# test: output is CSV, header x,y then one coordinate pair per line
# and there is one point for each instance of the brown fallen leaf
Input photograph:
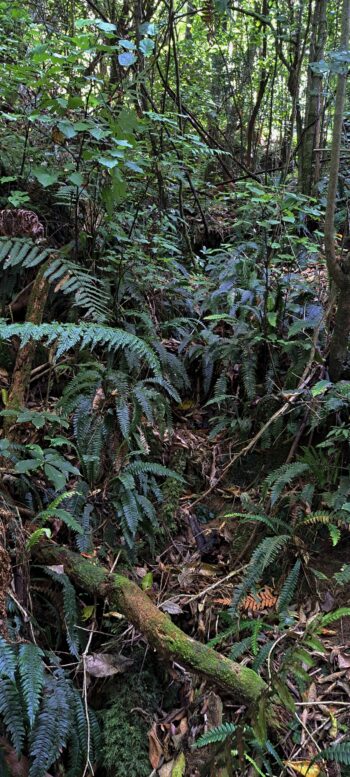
x,y
155,751
106,664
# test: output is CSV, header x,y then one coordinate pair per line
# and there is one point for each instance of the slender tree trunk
x,y
24,361
339,272
310,158
166,638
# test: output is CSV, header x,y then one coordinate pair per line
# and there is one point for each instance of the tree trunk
x,y
339,273
24,361
166,638
310,158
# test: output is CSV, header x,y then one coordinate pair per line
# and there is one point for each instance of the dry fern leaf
x,y
265,599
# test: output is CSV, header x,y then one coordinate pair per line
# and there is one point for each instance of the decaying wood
x,y
167,639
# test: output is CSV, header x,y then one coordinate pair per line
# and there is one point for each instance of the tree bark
x,y
310,158
339,272
161,633
24,361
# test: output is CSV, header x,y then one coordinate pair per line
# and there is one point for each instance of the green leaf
x,y
76,178
126,59
37,535
146,46
44,176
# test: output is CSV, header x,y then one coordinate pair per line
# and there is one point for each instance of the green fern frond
x,y
330,617
283,477
240,648
52,727
339,754
288,588
264,555
8,660
67,336
71,616
21,251
262,655
11,712
248,369
31,673
217,734
343,577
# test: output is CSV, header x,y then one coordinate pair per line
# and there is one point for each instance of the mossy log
x,y
161,633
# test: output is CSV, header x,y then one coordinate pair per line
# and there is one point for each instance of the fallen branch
x,y
161,633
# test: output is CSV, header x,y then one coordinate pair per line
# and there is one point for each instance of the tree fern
x,y
217,734
31,673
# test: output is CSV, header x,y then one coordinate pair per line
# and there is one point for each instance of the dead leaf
x,y
304,768
106,664
155,751
167,769
171,607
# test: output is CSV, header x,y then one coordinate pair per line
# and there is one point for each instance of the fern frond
x,y
288,588
31,673
21,251
317,517
264,555
262,655
343,577
71,616
330,617
8,659
67,336
51,730
11,712
217,734
283,476
339,754
239,648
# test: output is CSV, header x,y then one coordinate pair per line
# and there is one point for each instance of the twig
x,y
191,598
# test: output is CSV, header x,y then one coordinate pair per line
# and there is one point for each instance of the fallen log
x,y
162,634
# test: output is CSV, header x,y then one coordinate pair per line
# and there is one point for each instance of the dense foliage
x,y
175,395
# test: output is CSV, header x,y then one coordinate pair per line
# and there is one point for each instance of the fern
x,y
262,655
31,673
339,753
91,293
52,727
70,608
264,555
8,660
343,577
68,336
288,588
239,648
342,612
21,251
216,734
282,477
11,712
